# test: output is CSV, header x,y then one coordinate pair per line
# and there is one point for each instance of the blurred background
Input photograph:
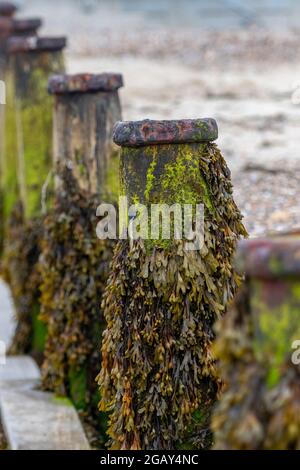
x,y
232,60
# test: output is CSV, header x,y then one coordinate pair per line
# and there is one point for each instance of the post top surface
x,y
84,82
35,44
13,27
7,8
26,24
269,258
151,132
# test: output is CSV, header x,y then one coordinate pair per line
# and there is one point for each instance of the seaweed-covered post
x,y
75,262
25,173
158,378
259,349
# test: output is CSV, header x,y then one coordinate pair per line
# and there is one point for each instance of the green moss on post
x,y
75,263
31,62
158,379
25,169
260,407
10,27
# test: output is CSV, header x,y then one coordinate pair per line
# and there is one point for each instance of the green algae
x,y
276,326
9,161
111,185
63,401
77,377
25,167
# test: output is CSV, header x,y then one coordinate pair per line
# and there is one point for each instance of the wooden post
x,y
86,161
25,173
259,349
86,108
28,153
158,376
9,27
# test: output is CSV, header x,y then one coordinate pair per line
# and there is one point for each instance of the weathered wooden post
x,y
25,171
259,349
158,376
86,108
9,27
74,262
29,132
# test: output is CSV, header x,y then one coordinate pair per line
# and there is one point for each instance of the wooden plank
x,y
36,420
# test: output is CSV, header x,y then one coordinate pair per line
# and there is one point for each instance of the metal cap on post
x,y
150,132
10,27
36,44
86,108
84,83
25,27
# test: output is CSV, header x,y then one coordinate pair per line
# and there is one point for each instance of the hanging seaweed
x,y
260,406
74,270
158,379
19,270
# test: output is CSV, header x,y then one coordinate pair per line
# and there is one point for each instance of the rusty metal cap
x,y
35,44
269,258
84,82
23,26
7,9
148,132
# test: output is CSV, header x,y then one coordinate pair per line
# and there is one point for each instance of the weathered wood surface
x,y
28,147
84,117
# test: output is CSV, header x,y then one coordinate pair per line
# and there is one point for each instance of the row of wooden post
x,y
164,162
